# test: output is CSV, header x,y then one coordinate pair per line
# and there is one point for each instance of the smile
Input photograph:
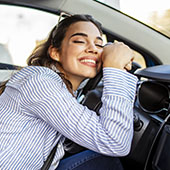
x,y
88,61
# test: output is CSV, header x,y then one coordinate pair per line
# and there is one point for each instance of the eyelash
x,y
78,41
84,42
99,45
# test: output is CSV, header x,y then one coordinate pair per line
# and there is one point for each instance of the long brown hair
x,y
40,55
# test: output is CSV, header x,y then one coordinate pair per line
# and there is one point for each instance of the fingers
x,y
128,66
117,55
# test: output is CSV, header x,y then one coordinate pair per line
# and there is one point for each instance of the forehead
x,y
83,27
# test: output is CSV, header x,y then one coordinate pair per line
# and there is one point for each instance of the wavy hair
x,y
40,55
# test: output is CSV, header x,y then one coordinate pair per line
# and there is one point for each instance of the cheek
x,y
72,50
69,59
72,53
100,60
99,67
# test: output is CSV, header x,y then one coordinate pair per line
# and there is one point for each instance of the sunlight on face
x,y
81,51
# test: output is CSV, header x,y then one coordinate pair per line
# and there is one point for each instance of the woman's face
x,y
80,53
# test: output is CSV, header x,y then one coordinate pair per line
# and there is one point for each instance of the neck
x,y
74,79
75,83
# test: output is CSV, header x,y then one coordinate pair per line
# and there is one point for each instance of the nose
x,y
91,48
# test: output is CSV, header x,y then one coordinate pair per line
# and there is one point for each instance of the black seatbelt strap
x,y
50,158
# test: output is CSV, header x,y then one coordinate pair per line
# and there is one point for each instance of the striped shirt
x,y
37,111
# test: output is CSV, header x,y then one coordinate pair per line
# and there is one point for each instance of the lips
x,y
89,61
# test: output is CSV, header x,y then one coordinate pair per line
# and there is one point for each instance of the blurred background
x,y
21,28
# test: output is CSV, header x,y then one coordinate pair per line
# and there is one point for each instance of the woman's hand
x,y
117,55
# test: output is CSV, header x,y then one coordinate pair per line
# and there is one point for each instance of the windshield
x,y
154,13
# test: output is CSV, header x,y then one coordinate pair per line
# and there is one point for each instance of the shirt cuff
x,y
119,83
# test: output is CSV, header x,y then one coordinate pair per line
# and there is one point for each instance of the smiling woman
x,y
45,111
42,109
81,51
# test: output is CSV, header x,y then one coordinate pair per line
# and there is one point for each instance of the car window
x,y
20,30
155,14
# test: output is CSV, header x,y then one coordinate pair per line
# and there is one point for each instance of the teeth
x,y
88,61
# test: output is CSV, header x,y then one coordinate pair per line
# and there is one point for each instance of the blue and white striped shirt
x,y
37,111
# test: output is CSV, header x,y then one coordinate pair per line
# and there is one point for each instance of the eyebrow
x,y
84,35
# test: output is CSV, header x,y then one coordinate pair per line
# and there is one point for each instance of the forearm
x,y
55,106
116,114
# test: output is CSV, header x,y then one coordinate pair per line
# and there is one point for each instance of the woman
x,y
39,108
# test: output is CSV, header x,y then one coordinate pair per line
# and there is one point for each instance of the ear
x,y
54,54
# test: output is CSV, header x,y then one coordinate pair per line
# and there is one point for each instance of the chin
x,y
88,73
91,75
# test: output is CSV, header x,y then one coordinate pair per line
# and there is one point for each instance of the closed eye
x,y
98,45
82,42
78,41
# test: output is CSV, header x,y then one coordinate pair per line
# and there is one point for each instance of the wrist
x,y
113,66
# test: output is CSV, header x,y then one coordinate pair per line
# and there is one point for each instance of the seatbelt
x,y
50,158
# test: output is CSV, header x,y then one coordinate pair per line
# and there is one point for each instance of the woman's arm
x,y
46,97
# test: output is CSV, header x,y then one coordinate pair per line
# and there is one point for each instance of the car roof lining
x,y
118,27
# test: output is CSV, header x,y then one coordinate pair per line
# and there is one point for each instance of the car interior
x,y
151,139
